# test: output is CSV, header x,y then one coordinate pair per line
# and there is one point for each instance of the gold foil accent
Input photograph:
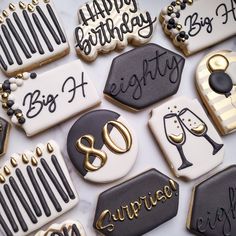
x,y
22,5
91,151
2,179
30,7
49,148
218,62
123,131
5,13
6,170
39,152
34,161
13,162
12,7
25,159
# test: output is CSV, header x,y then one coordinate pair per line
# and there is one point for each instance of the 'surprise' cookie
x,y
187,137
35,188
216,84
30,35
67,228
197,24
37,102
153,73
212,210
4,135
102,146
137,206
107,25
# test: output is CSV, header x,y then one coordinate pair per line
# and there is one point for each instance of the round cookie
x,y
102,146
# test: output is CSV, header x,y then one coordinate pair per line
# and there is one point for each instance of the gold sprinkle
x,y
22,5
46,1
30,7
5,13
5,95
25,159
2,179
20,75
39,152
6,170
34,161
179,27
172,184
12,7
13,162
190,2
35,2
178,2
19,115
50,148
170,9
1,20
4,105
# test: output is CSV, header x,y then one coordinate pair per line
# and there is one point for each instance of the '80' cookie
x,y
102,146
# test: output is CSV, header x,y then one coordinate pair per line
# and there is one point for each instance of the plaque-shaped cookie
x,y
216,84
37,102
197,24
35,188
137,206
107,25
102,146
212,208
31,35
187,137
153,73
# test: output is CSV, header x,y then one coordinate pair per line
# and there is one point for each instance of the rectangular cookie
x,y
30,35
35,188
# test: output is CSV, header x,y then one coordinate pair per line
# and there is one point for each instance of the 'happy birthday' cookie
x,y
67,228
31,35
187,137
212,209
37,102
102,146
4,135
107,25
153,74
216,84
35,188
137,206
197,24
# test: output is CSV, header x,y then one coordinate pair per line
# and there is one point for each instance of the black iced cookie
x,y
102,146
213,206
143,203
144,76
4,135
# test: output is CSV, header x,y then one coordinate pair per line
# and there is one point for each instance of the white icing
x,y
51,84
117,165
36,59
58,227
23,167
197,150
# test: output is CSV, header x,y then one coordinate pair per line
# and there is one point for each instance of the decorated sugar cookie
x,y
187,137
153,74
67,228
37,102
197,24
4,135
212,209
102,146
216,84
107,25
129,209
35,188
30,35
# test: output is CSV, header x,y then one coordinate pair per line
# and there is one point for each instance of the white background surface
x,y
149,153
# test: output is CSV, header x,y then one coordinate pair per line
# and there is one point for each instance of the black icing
x,y
91,123
5,227
5,128
153,73
220,82
6,52
213,210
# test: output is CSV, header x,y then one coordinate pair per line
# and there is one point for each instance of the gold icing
x,y
49,148
2,179
22,5
12,7
1,19
35,2
218,62
6,170
13,162
5,13
39,152
199,130
34,161
31,8
25,159
176,138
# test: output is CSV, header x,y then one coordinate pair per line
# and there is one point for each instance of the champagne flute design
x,y
176,136
197,127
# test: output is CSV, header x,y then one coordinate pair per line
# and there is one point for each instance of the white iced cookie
x,y
35,188
187,138
67,228
216,84
106,25
30,35
37,102
197,24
